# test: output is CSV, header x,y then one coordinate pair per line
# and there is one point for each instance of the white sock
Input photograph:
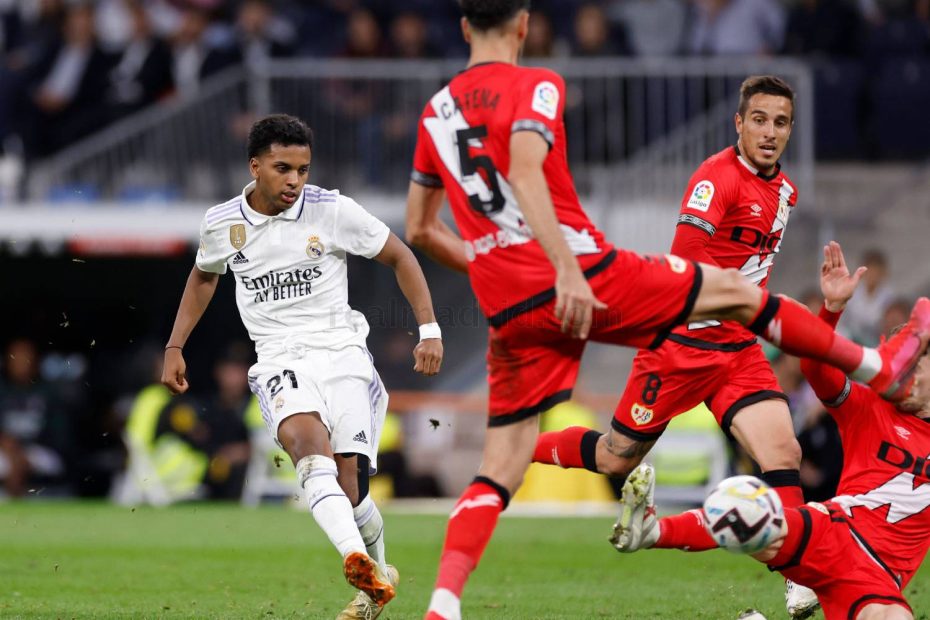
x,y
328,503
446,604
870,366
371,527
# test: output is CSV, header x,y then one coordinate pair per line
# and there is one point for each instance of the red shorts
x,y
532,365
675,378
826,557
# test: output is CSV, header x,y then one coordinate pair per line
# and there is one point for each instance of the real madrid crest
x,y
237,235
315,248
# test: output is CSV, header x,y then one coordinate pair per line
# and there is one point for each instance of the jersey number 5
x,y
471,165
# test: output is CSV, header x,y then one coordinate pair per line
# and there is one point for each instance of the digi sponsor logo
x,y
546,100
701,196
641,414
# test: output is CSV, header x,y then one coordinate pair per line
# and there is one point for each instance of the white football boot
x,y
637,527
362,607
800,600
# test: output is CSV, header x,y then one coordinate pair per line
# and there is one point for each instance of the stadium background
x,y
122,121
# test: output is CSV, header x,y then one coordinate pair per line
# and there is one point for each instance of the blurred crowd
x,y
71,67
68,427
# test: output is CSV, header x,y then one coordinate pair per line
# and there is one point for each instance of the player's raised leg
x,y
889,369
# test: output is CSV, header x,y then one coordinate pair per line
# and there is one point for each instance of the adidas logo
x,y
240,259
360,437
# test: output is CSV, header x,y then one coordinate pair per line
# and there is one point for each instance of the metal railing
x,y
636,128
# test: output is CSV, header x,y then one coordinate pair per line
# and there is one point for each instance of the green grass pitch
x,y
88,560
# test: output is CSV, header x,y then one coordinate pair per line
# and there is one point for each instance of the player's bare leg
x,y
507,454
305,438
727,295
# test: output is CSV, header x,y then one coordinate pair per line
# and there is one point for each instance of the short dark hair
x,y
764,85
875,257
488,14
280,129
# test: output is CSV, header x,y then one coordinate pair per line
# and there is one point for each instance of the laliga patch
x,y
641,415
677,264
278,404
546,100
701,196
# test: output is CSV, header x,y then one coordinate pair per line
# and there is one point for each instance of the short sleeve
x,y
707,199
357,231
424,169
540,105
211,256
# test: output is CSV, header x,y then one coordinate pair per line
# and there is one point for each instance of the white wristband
x,y
430,330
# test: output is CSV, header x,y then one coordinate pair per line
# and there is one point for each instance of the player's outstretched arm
x,y
428,353
197,295
837,286
574,302
429,233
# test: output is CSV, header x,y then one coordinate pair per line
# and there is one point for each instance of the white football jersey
x,y
290,269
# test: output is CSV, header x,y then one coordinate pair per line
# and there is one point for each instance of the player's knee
x,y
884,612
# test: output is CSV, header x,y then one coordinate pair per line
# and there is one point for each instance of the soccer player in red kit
x,y
859,550
733,215
546,279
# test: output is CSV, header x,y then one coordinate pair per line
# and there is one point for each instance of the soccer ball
x,y
751,614
743,514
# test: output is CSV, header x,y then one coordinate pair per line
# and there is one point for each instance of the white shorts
x,y
341,385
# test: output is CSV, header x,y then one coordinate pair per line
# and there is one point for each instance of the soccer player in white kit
x,y
321,398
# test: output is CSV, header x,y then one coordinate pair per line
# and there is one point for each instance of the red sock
x,y
787,483
470,528
684,531
791,497
796,331
565,448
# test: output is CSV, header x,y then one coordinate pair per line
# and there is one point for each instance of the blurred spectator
x,y
143,72
73,73
896,315
656,27
410,37
899,28
222,427
823,27
595,36
197,53
862,319
263,35
34,428
734,27
540,39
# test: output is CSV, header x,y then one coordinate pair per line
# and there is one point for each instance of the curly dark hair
x,y
280,129
488,14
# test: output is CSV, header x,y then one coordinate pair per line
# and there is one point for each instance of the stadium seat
x,y
838,127
900,96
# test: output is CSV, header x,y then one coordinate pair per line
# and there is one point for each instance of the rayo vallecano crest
x,y
315,248
237,235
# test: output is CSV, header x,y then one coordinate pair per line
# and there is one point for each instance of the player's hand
x,y
428,356
173,376
836,284
575,303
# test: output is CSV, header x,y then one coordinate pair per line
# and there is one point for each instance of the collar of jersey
x,y
255,218
753,169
